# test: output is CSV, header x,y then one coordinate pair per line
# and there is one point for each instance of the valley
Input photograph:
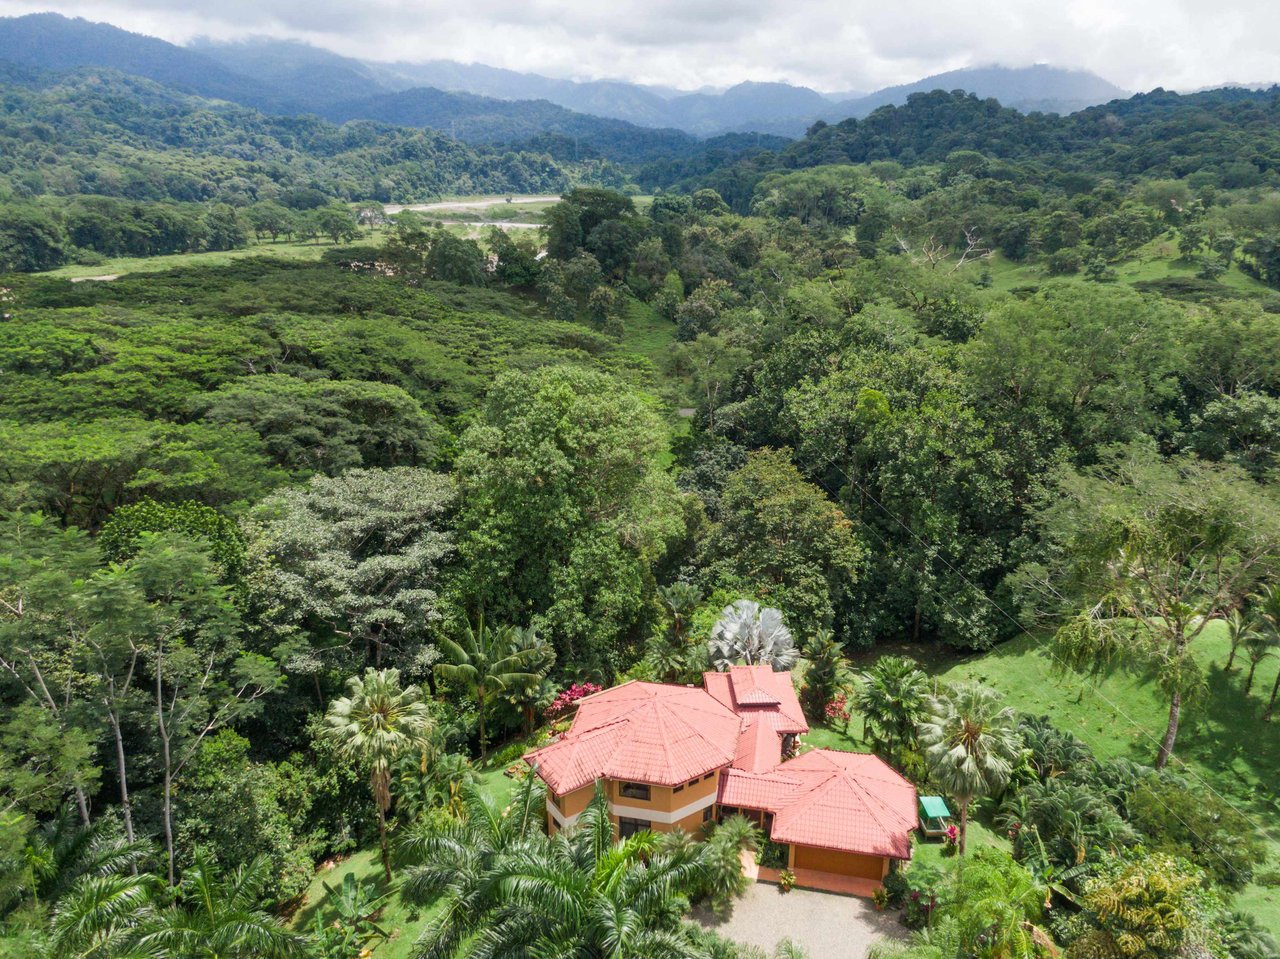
x,y
451,511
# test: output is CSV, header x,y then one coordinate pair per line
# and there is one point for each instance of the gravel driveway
x,y
826,925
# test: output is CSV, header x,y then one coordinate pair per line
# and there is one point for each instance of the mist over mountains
x,y
480,103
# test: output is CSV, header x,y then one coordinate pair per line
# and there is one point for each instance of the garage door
x,y
843,863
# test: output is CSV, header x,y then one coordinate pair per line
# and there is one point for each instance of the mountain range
x,y
486,104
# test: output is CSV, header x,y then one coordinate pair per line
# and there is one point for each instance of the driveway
x,y
828,926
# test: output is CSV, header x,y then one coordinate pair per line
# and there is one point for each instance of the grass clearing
x,y
1222,745
1157,260
285,250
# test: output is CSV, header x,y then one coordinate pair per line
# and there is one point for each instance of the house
x,y
671,756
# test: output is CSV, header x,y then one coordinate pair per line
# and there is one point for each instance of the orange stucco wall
x,y
841,863
662,802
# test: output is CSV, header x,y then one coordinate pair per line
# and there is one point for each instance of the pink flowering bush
x,y
837,710
951,840
568,696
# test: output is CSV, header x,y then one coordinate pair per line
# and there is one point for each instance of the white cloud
x,y
829,44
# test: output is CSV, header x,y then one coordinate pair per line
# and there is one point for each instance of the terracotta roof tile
x,y
641,732
852,802
759,746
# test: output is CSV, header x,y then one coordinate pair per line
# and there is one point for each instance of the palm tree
x,y
1239,628
64,849
1267,603
210,916
970,739
429,781
454,862
579,893
1257,647
996,907
489,662
745,633
524,696
102,917
217,916
681,599
1057,825
891,696
827,672
376,723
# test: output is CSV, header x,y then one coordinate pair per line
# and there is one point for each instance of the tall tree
x,y
1148,554
565,508
970,740
783,539
40,565
377,722
359,554
488,662
190,637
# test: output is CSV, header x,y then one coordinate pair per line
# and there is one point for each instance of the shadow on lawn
x,y
1225,740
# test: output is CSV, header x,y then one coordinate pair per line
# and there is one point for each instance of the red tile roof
x,y
759,746
668,735
851,802
758,689
641,732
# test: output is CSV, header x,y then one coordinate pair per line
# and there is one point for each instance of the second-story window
x,y
635,791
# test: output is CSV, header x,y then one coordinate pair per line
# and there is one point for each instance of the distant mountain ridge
x,y
1040,88
476,102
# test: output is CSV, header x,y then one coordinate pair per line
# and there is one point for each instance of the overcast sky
x,y
828,44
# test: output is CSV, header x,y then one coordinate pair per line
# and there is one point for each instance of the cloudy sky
x,y
828,44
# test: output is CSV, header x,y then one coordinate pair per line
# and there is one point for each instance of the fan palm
x,y
970,740
377,722
745,633
891,696
489,662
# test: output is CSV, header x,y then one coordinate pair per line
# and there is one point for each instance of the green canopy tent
x,y
933,816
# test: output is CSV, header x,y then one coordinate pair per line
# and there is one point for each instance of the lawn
x,y
1223,745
